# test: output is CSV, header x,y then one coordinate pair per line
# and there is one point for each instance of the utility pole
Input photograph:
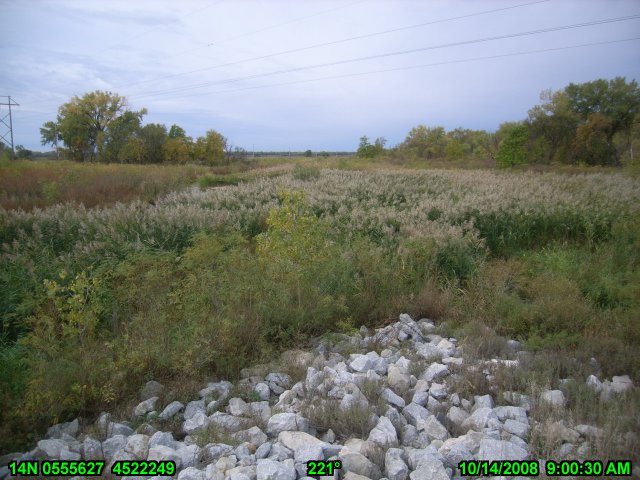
x,y
3,121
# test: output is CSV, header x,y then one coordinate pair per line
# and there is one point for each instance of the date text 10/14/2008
x,y
531,468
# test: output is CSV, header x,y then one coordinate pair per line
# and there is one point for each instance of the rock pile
x,y
416,426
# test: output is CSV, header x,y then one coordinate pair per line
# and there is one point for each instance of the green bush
x,y
211,180
306,172
513,148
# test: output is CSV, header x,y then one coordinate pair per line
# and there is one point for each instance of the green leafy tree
x,y
592,143
556,122
425,142
176,132
513,148
50,135
84,123
154,136
211,148
133,151
23,153
118,134
177,150
367,150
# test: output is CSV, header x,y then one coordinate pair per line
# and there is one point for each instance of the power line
x,y
388,54
293,20
154,27
413,67
336,42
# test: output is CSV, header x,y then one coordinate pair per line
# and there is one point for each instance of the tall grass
x,y
28,184
203,281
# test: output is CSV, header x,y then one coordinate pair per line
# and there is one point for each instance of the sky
x,y
309,74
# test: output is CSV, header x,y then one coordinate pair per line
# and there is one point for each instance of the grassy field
x,y
26,184
200,281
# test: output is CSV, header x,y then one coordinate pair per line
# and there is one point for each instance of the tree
x,y
366,150
425,142
120,131
513,148
308,153
211,148
177,150
84,122
555,124
177,132
154,136
592,144
50,135
22,152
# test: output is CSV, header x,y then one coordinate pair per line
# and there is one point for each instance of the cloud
x,y
57,49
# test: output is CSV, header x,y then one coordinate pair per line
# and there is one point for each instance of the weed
x,y
355,421
306,172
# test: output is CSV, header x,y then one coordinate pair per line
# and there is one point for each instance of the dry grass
x,y
38,184
352,422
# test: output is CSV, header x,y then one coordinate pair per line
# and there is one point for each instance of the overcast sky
x,y
145,49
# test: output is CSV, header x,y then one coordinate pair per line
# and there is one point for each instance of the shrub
x,y
210,180
306,172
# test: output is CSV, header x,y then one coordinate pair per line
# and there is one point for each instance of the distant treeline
x,y
593,123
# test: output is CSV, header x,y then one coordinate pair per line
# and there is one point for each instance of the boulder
x,y
68,428
394,466
358,463
308,453
294,440
253,435
416,415
491,450
267,469
360,363
52,447
434,429
517,428
481,418
171,410
145,406
138,446
197,422
263,390
398,380
281,422
484,401
384,434
435,371
431,469
91,449
554,398
189,455
391,398
191,473
457,416
238,407
230,423
151,389
192,408
162,438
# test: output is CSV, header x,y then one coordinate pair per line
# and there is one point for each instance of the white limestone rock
x,y
171,410
491,450
384,434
